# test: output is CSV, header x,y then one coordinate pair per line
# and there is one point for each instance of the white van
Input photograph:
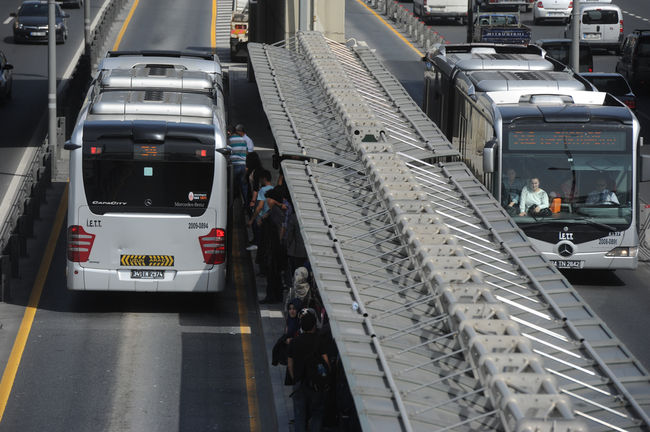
x,y
427,9
601,25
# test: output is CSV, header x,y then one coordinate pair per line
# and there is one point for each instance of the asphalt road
x,y
620,298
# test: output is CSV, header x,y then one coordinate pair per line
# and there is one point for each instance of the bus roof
x,y
537,81
167,78
561,97
153,104
208,63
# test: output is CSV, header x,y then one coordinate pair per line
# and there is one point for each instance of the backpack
x,y
317,373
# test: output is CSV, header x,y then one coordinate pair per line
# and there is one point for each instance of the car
x,y
634,63
552,10
560,50
614,84
6,79
600,26
31,22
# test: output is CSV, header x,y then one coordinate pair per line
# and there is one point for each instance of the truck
x,y
500,27
239,29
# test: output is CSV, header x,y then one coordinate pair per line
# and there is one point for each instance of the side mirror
x,y
224,151
490,156
644,168
13,14
9,67
66,15
70,146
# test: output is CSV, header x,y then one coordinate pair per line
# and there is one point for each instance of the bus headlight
x,y
623,252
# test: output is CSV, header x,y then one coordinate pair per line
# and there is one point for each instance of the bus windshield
x,y
568,176
121,176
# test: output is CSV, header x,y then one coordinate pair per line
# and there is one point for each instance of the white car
x,y
559,10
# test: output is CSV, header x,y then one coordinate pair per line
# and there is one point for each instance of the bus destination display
x,y
592,140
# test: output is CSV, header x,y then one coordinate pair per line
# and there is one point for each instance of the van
x,y
454,9
560,50
634,63
601,26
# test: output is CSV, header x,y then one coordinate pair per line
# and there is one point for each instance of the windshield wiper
x,y
598,224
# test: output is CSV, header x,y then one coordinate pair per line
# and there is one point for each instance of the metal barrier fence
x,y
405,21
17,224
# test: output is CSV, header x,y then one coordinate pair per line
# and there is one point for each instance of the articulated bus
x,y
147,206
525,123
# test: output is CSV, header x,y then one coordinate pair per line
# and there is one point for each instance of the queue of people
x,y
306,347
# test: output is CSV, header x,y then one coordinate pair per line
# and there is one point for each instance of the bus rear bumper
x,y
89,279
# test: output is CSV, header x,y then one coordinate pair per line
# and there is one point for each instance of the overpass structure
x,y
445,316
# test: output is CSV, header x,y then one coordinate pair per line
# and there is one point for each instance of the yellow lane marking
x,y
391,28
246,346
11,369
213,26
125,25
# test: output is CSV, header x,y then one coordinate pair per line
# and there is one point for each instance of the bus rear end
x,y
147,208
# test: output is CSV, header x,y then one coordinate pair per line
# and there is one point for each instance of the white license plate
x,y
591,36
568,264
38,33
147,274
555,14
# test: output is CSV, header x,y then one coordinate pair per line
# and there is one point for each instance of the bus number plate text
x,y
147,274
568,264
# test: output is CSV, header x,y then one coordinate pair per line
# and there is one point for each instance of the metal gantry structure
x,y
445,316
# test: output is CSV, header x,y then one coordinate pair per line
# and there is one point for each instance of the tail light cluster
x,y
621,23
213,246
540,5
631,103
80,243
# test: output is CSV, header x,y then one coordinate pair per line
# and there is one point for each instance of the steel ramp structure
x,y
445,316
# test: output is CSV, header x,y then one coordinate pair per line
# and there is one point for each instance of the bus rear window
x,y
135,178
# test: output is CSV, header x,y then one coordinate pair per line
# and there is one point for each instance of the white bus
x,y
148,198
510,110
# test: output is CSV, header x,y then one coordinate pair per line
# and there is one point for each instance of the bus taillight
x,y
80,243
213,246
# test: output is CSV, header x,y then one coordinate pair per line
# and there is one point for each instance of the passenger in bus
x,y
602,195
511,190
534,200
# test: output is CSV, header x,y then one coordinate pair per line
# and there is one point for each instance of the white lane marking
x,y
265,313
8,20
636,16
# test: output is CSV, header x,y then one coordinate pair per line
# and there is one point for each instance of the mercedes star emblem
x,y
565,250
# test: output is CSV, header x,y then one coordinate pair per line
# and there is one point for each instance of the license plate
x,y
591,36
568,264
38,33
147,274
